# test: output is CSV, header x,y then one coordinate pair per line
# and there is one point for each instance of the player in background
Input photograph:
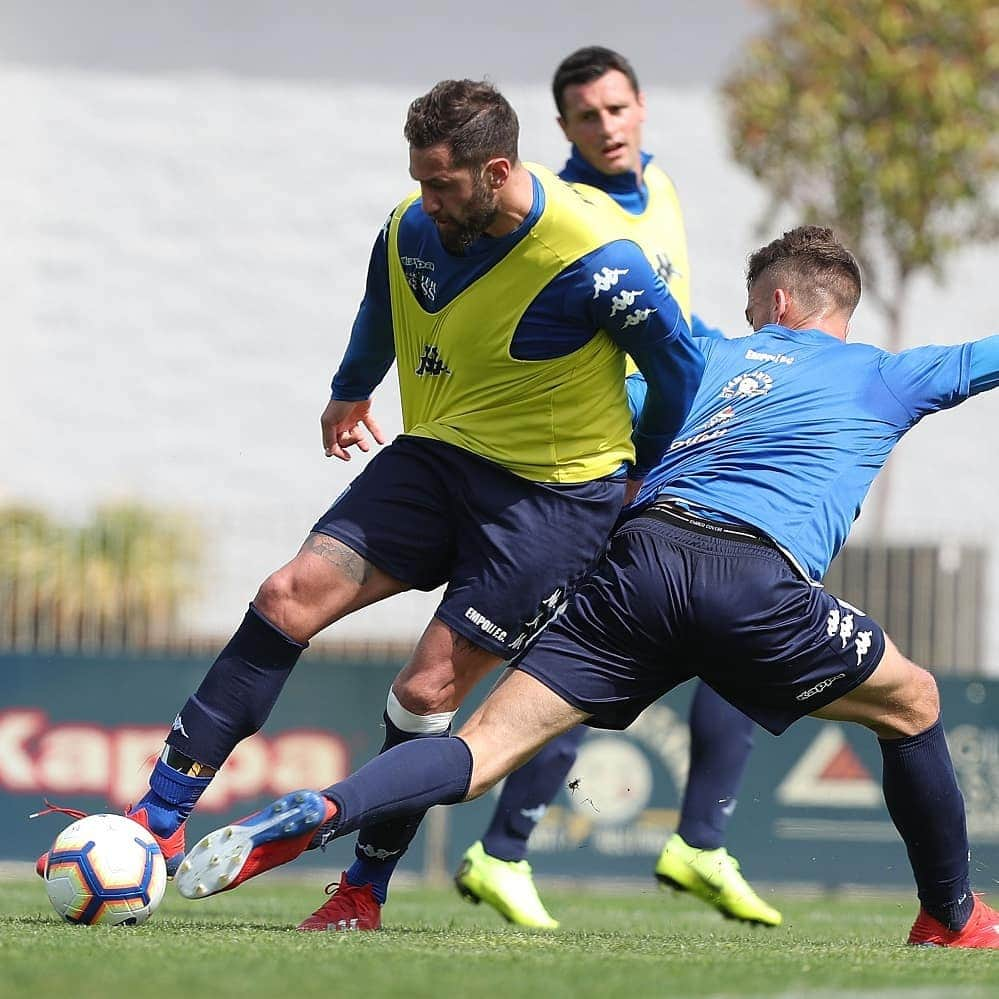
x,y
601,109
716,574
496,288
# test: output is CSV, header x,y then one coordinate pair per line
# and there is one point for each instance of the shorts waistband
x,y
670,513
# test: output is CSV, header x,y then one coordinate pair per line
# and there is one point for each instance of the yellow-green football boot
x,y
713,876
506,885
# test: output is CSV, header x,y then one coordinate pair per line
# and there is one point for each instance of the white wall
x,y
182,256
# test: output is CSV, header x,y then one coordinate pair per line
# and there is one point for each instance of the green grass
x,y
636,944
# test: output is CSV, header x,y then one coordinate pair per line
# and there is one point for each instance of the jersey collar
x,y
624,188
798,336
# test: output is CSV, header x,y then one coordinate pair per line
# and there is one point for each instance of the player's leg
x,y
805,652
423,700
526,795
519,549
382,536
721,739
694,858
324,582
900,703
589,661
515,720
495,869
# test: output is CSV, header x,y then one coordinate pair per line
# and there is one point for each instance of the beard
x,y
480,213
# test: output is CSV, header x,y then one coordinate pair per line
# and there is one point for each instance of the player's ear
x,y
497,172
780,305
641,105
565,128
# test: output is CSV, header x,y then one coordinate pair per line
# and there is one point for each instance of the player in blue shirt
x,y
716,575
601,111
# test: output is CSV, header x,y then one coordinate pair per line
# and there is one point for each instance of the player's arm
x,y
644,319
926,379
370,353
984,365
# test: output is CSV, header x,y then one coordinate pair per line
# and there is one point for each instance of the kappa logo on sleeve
x,y
665,268
624,301
607,278
636,317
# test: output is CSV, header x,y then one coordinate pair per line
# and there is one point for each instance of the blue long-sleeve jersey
x,y
790,427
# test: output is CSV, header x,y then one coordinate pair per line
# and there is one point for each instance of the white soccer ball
x,y
105,869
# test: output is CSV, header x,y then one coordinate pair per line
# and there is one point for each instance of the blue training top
x,y
789,428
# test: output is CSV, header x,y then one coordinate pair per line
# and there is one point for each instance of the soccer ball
x,y
105,869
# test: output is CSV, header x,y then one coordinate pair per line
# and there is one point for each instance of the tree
x,y
119,581
881,119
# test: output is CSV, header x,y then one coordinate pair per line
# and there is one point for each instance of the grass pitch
x,y
634,944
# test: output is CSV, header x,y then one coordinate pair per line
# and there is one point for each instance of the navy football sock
x,y
527,794
238,692
170,798
721,739
395,787
381,844
926,806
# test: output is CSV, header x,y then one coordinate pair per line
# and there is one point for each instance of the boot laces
x,y
50,809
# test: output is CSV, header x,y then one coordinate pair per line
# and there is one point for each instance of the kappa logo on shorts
x,y
819,687
431,362
549,609
863,644
843,624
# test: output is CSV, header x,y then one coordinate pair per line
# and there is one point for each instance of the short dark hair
x,y
811,263
588,64
471,117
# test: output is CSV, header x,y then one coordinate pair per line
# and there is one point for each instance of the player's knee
x,y
406,723
274,595
922,699
912,707
420,695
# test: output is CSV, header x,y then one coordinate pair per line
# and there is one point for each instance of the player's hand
x,y
631,490
342,424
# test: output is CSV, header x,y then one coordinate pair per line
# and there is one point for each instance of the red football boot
x,y
172,847
981,930
235,853
349,908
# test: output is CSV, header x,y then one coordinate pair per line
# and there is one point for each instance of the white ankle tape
x,y
406,721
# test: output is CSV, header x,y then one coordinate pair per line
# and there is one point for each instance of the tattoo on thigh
x,y
463,646
337,553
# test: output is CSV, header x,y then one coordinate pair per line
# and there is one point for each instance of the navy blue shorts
x,y
510,550
669,602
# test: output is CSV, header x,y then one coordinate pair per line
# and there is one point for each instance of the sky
x,y
670,42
